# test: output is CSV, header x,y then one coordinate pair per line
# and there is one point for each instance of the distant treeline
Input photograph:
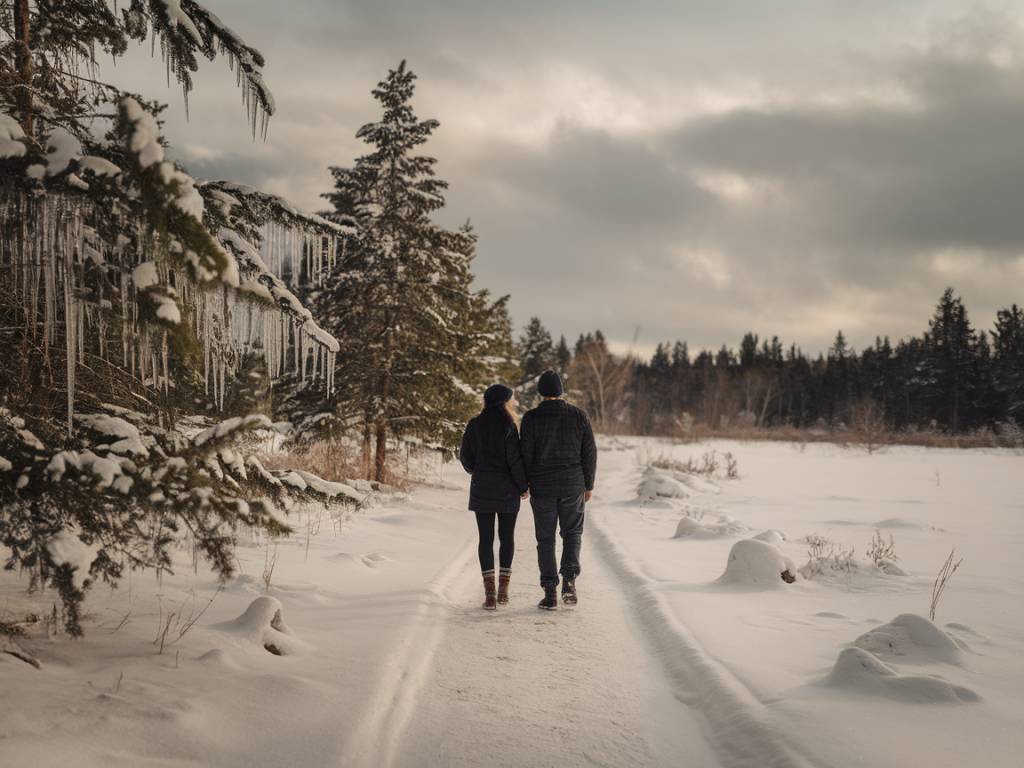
x,y
952,379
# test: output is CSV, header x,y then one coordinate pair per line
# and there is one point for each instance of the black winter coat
x,y
491,453
559,452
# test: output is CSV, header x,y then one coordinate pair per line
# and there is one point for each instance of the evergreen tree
x,y
563,356
130,294
1008,361
536,350
950,363
399,300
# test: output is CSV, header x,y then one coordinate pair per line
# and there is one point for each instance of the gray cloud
x,y
690,170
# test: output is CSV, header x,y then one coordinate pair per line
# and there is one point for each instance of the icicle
x,y
163,355
70,327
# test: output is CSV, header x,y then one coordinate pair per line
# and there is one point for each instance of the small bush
x,y
711,464
825,556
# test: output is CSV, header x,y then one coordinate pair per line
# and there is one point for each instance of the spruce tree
x,y
1008,361
536,350
950,363
399,300
563,355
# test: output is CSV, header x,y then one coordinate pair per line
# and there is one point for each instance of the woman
x,y
490,453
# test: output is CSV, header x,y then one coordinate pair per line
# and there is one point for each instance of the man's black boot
x,y
550,601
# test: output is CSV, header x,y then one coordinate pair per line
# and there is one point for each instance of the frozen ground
x,y
683,650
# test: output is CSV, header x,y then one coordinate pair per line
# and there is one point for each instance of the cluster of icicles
x,y
297,256
46,244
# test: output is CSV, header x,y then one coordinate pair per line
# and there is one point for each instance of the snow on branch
x,y
185,27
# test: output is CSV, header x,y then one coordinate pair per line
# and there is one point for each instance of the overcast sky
x,y
666,170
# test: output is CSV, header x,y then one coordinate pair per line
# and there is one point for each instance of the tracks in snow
x,y
604,684
737,722
574,687
378,735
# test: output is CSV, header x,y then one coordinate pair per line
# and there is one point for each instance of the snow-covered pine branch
x,y
187,28
130,492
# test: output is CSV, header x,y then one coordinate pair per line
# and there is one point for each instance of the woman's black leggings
x,y
506,533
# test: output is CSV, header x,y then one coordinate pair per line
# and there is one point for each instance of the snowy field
x,y
683,650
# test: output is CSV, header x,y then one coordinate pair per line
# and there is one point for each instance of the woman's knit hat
x,y
497,394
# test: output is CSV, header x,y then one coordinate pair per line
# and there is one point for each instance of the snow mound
x,y
217,657
771,536
860,670
692,528
261,623
656,483
912,638
756,562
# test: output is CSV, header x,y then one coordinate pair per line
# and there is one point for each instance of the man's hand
x,y
524,495
587,495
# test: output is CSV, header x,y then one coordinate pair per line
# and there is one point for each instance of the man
x,y
560,458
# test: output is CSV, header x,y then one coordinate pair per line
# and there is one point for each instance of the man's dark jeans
x,y
567,514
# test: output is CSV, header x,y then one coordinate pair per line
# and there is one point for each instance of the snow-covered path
x,y
574,687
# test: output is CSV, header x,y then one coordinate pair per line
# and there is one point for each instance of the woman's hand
x,y
524,495
587,495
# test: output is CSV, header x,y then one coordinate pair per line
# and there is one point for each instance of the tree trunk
x,y
367,447
23,64
381,459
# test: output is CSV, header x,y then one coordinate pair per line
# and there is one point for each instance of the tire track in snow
x,y
380,732
737,720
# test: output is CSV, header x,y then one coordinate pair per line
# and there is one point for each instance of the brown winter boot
x,y
550,601
504,577
490,595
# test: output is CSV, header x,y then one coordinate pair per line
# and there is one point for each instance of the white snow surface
x,y
389,660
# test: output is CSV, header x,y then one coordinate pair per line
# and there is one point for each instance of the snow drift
x,y
694,528
860,670
771,536
656,483
756,562
261,623
912,638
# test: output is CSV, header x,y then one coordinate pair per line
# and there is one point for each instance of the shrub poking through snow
x,y
825,557
883,554
941,580
756,562
712,464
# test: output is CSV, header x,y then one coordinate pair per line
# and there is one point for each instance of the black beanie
x,y
549,384
497,394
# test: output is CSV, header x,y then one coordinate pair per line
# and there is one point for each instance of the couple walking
x,y
552,463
